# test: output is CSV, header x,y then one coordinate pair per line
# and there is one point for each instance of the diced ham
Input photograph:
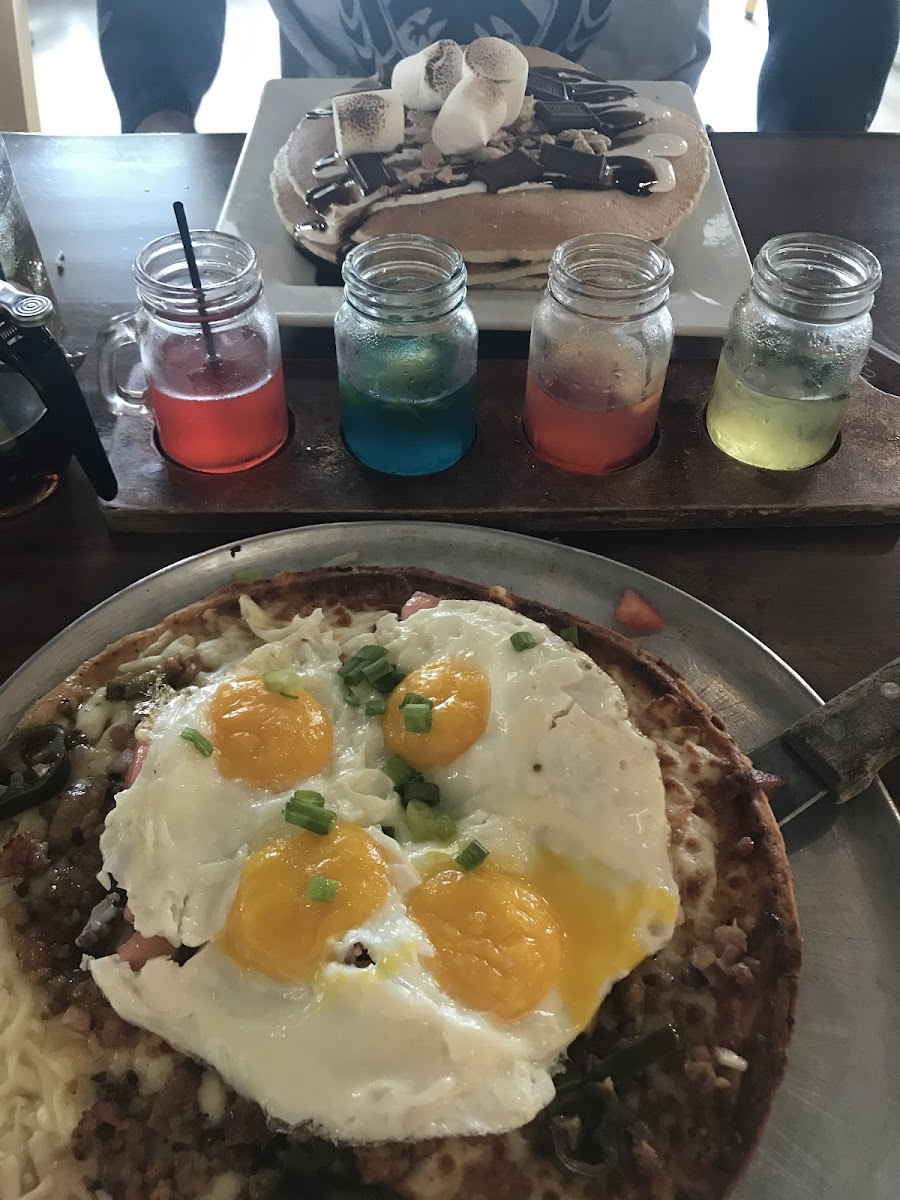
x,y
768,783
138,950
635,613
418,601
137,761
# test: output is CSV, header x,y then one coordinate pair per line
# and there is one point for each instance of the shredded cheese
x,y
227,1186
44,1088
727,1058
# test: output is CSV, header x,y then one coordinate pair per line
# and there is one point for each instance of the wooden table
x,y
827,601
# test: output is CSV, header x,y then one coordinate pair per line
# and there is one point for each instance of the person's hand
x,y
167,121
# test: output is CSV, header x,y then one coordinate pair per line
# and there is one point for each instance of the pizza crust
x,y
697,1119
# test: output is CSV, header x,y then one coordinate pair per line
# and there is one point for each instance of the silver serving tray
x,y
835,1131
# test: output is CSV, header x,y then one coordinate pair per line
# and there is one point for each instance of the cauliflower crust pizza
x,y
373,881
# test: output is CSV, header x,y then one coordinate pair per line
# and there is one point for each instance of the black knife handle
x,y
848,740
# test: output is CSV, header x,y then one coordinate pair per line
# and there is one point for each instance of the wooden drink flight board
x,y
683,482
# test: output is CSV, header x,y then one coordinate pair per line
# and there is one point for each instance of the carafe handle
x,y
25,309
119,332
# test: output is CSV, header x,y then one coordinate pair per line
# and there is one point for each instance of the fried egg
x,y
177,840
419,999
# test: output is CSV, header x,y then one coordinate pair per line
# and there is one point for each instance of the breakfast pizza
x,y
501,151
370,881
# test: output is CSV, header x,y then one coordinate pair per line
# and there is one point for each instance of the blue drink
x,y
409,418
407,351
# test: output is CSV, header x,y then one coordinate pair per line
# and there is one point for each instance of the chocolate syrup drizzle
x,y
564,100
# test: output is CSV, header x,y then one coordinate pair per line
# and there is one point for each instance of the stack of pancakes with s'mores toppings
x,y
504,152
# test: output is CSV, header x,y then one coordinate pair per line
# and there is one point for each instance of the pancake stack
x,y
504,153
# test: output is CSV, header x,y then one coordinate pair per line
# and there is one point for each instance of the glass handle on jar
x,y
119,332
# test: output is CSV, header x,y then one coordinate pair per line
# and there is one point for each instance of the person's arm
x,y
160,58
826,65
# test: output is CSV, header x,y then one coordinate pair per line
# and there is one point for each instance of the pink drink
x,y
220,419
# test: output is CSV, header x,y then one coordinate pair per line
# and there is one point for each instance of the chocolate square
x,y
574,164
369,173
508,171
598,93
320,199
545,87
557,115
614,121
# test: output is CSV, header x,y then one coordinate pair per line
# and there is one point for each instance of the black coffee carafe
x,y
44,418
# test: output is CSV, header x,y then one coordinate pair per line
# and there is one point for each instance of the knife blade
x,y
837,750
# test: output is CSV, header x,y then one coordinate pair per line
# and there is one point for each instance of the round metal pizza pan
x,y
834,1130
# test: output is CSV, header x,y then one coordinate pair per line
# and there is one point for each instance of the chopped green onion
x,y
284,682
247,575
322,888
350,696
309,816
377,669
200,743
308,797
387,683
352,670
421,789
417,718
389,831
570,634
366,655
523,640
375,708
473,855
398,770
414,698
426,825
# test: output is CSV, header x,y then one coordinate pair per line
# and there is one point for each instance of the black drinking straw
x,y
191,260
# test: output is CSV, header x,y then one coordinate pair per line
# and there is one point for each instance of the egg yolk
x,y
599,925
273,929
501,943
461,698
497,945
266,739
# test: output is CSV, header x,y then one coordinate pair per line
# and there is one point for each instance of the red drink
x,y
585,440
218,419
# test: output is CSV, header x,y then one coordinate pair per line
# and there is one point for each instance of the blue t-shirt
x,y
618,39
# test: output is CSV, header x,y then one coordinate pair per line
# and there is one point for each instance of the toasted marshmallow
x,y
501,63
469,117
426,79
368,122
